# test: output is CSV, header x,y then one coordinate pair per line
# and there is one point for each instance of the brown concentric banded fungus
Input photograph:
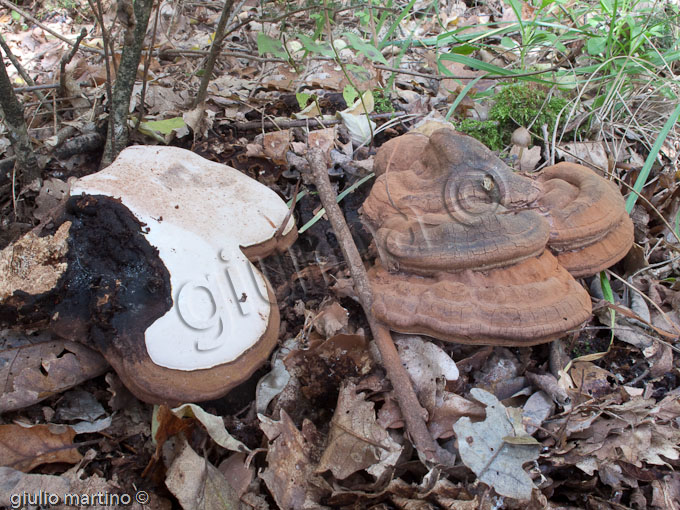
x,y
590,229
528,303
464,253
156,275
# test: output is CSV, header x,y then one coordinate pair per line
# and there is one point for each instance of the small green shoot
x,y
342,195
267,44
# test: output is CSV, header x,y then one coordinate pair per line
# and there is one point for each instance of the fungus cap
x,y
590,228
201,217
463,252
451,174
528,303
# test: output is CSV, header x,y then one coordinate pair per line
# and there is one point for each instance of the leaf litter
x,y
327,432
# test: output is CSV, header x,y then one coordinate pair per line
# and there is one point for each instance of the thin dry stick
x,y
413,413
214,52
22,72
290,123
15,62
646,298
147,63
66,59
99,16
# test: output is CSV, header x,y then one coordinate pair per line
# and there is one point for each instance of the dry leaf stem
x,y
413,413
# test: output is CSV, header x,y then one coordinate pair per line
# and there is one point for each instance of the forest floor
x,y
601,406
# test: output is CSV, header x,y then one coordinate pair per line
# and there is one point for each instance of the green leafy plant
x,y
515,105
383,103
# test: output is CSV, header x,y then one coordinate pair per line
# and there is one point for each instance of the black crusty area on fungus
x,y
115,285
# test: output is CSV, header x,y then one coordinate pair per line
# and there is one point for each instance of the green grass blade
x,y
297,198
462,95
489,68
653,153
608,296
342,195
405,12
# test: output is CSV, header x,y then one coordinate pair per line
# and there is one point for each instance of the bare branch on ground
x,y
413,413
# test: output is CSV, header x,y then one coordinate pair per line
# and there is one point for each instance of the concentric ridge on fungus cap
x,y
470,253
528,303
590,229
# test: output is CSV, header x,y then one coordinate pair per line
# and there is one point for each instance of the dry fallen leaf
x,y
449,409
52,193
16,482
214,426
237,471
34,368
331,319
591,379
198,485
289,475
323,139
276,144
537,409
528,158
594,153
484,448
23,448
428,365
356,440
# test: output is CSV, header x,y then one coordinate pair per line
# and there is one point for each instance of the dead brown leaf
x,y
356,441
236,471
594,153
198,485
35,368
591,379
276,144
23,448
323,139
290,474
52,193
450,408
331,319
168,426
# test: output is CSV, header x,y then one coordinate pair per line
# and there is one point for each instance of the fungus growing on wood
x,y
523,304
399,154
590,229
463,250
451,174
157,273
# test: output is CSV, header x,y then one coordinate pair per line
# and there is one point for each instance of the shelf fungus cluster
x,y
149,262
471,252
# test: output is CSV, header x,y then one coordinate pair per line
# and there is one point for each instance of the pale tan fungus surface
x,y
34,264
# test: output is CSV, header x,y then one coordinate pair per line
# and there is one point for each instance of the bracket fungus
x,y
157,273
466,245
590,229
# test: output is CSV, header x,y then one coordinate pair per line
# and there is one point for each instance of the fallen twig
x,y
46,86
66,59
147,63
413,413
214,52
290,123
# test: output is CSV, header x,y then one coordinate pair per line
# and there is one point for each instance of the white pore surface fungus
x,y
198,214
